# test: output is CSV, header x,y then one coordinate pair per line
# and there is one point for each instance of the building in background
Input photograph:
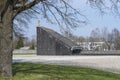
x,y
50,42
95,46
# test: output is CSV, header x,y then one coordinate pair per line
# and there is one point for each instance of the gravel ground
x,y
106,63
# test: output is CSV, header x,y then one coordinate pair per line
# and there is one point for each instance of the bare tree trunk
x,y
6,46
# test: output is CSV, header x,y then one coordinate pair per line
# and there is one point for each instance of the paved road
x,y
107,63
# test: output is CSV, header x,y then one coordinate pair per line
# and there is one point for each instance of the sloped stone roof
x,y
58,36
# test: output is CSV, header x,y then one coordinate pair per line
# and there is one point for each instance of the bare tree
x,y
13,13
81,39
106,6
95,35
102,35
116,38
107,37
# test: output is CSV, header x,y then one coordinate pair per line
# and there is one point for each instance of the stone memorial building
x,y
50,42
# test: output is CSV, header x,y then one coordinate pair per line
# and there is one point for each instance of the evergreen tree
x,y
20,43
32,46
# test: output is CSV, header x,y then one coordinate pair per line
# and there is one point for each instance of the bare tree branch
x,y
19,9
54,11
106,5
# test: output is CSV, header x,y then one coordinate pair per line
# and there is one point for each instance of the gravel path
x,y
106,63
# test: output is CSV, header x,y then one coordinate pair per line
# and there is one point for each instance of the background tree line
x,y
99,35
21,41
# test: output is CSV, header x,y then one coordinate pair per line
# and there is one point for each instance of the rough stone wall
x,y
48,44
45,43
62,49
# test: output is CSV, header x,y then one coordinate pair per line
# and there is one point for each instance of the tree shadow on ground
x,y
60,71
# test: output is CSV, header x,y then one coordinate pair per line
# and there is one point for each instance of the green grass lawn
x,y
32,71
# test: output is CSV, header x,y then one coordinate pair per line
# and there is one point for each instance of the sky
x,y
95,20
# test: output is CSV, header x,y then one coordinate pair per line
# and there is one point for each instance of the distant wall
x,y
82,53
22,51
112,52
